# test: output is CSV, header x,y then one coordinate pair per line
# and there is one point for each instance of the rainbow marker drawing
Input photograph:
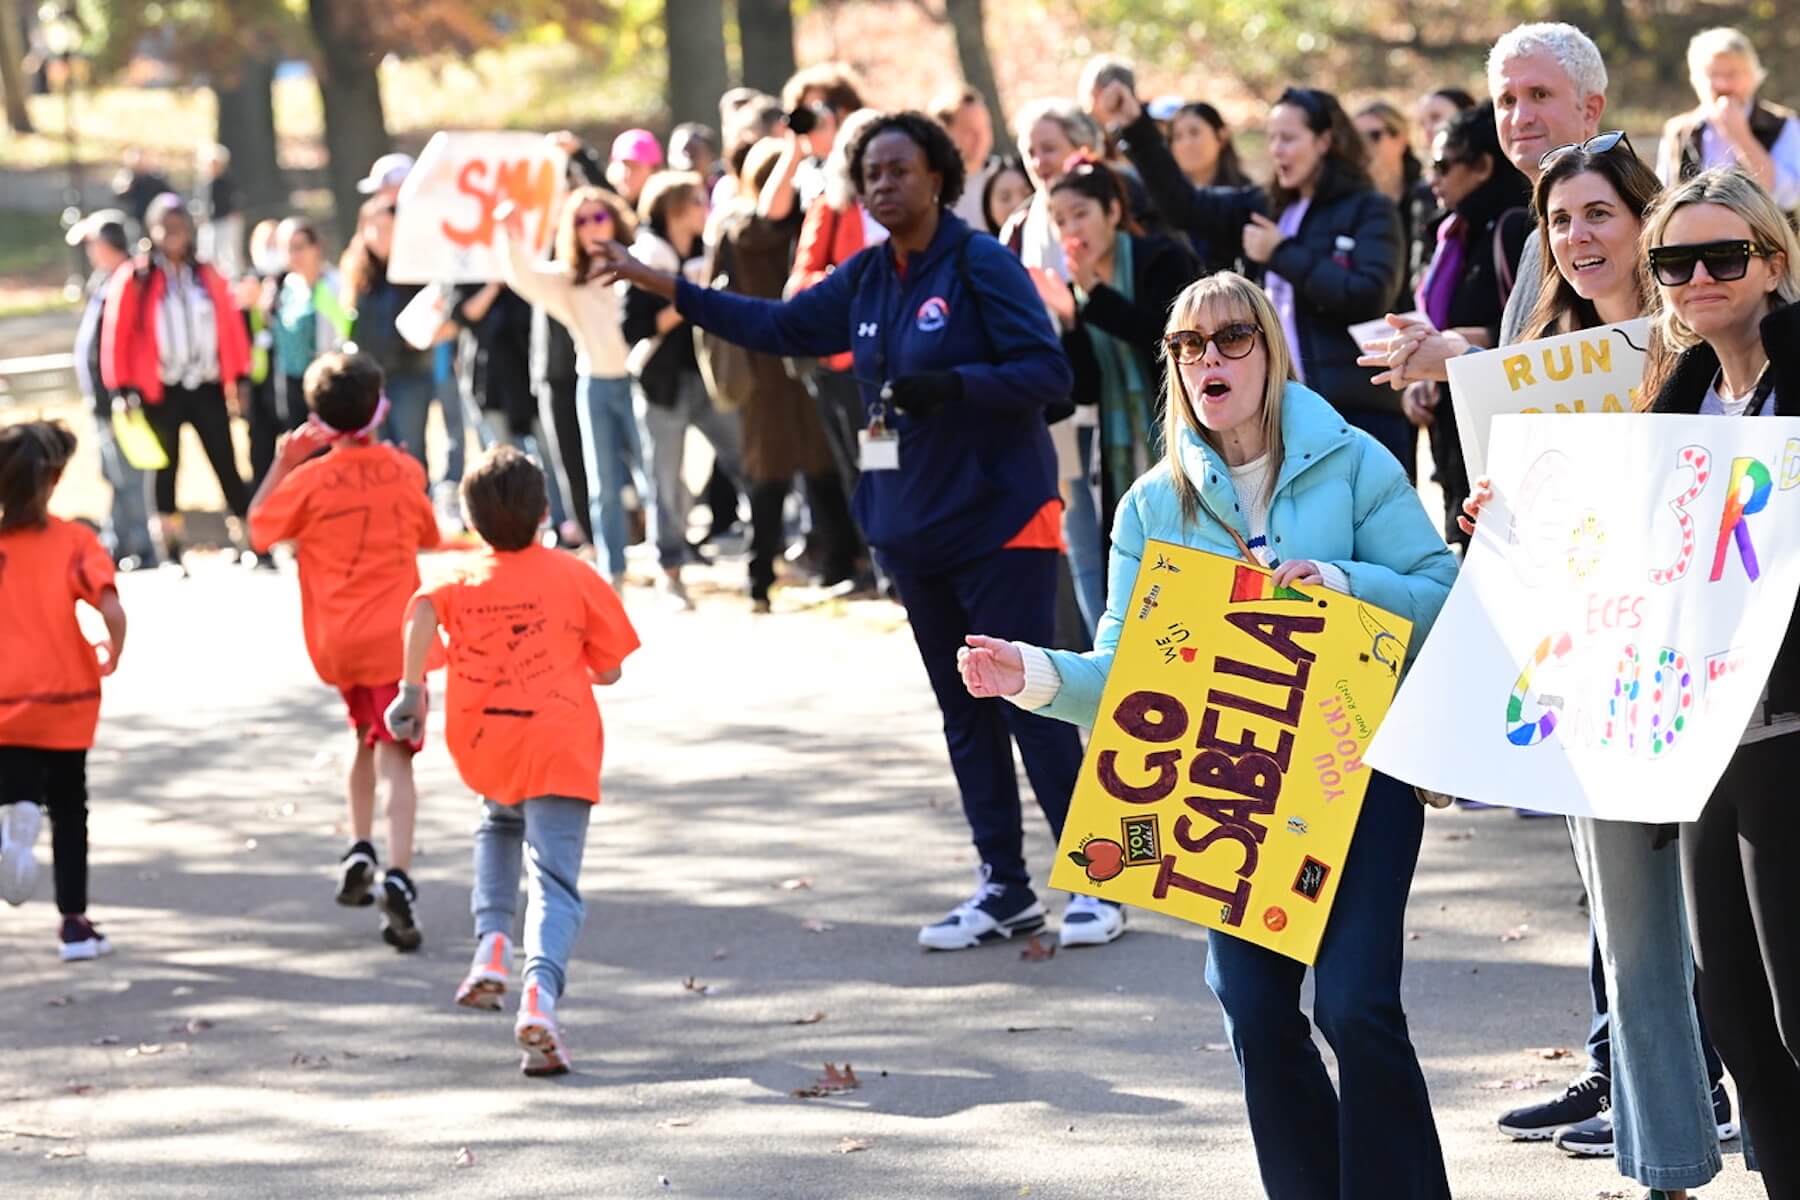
x,y
1519,731
1249,584
1741,503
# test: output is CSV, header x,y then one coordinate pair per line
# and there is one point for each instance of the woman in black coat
x,y
1331,253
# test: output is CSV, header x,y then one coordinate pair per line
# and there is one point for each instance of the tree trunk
x,y
968,24
247,129
766,37
12,68
696,34
355,126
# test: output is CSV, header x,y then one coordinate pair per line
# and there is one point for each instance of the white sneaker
x,y
485,983
994,912
1091,921
19,825
539,1036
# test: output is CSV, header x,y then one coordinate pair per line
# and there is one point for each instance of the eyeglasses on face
x,y
1377,135
601,217
1188,346
1603,143
1443,166
1725,261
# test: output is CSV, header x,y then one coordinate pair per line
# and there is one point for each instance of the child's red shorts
x,y
368,714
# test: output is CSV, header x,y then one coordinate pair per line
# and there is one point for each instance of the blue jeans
x,y
615,458
546,836
1661,1093
1085,539
409,404
1376,1137
531,445
667,427
448,392
128,529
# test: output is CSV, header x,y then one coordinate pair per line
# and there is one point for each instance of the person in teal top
x,y
1260,465
309,318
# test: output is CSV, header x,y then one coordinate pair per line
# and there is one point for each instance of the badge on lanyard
x,y
880,446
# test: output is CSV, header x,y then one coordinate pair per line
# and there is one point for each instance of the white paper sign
x,y
1615,621
1595,370
444,217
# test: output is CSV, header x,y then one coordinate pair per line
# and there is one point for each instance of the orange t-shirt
x,y
358,517
49,673
525,627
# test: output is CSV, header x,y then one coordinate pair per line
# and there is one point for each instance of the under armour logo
x,y
867,329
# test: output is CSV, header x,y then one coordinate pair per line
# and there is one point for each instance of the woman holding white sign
x,y
1257,464
1728,266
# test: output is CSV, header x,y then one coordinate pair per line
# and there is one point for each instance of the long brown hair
x,y
568,248
362,268
1346,164
1559,309
32,458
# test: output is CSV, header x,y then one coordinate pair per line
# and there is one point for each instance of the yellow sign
x,y
1225,774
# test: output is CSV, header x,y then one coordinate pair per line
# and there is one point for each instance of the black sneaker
x,y
1722,1113
356,876
398,929
82,940
1592,1138
996,911
1586,1097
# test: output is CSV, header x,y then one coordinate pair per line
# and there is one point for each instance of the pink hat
x,y
638,146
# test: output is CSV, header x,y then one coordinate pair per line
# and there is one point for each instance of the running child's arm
x,y
113,613
406,715
605,678
295,447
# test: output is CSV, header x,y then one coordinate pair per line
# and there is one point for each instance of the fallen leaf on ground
x,y
59,1001
720,954
1552,1053
309,1062
1037,950
794,885
1516,934
48,1135
693,985
1461,835
107,1039
851,1145
1040,1029
144,1050
192,1025
1514,1085
75,1088
1413,935
464,1158
832,1082
814,925
1217,1047
663,1181
675,1123
65,1152
811,1018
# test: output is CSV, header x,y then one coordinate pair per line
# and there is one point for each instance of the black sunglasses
x,y
1603,143
1725,261
1188,346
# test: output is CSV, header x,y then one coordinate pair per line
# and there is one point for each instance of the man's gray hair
x,y
1077,126
1573,50
1103,69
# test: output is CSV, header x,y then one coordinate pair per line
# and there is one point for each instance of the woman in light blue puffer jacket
x,y
1260,464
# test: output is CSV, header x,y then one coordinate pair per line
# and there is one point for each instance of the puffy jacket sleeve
x,y
1028,370
1084,675
814,323
1361,290
1401,563
1213,215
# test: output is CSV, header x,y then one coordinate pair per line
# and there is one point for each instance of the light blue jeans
x,y
531,445
1661,1099
546,837
615,457
668,428
409,405
1085,539
128,528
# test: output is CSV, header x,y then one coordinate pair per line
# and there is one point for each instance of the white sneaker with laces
x,y
538,1035
19,825
1091,921
995,911
485,983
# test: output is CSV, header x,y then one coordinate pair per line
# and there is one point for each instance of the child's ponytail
x,y
32,458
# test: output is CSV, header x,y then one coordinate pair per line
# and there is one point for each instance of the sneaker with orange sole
x,y
538,1035
485,983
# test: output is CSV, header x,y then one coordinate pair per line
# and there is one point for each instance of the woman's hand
x,y
1480,494
1261,236
1298,572
991,667
1056,295
1419,403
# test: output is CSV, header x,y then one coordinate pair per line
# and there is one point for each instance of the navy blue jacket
x,y
974,472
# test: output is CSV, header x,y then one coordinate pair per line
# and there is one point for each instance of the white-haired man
x,y
1731,126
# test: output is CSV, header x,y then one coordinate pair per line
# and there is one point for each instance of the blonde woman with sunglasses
x,y
1728,266
1258,464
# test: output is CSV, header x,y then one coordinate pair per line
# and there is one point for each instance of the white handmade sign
x,y
1594,371
1615,621
444,217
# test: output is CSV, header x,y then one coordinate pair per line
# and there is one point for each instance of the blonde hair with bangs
x,y
1223,297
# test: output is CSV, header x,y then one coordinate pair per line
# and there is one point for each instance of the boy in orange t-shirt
x,y
358,516
531,631
49,676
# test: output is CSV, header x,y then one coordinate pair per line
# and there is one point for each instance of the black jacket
x,y
1333,288
1485,281
1683,393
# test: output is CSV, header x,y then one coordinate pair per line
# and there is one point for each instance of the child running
x,y
531,631
49,676
357,515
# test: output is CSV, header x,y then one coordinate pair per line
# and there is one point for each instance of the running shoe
x,y
996,911
538,1035
82,940
1587,1097
356,876
399,929
1091,921
485,983
1592,1138
19,825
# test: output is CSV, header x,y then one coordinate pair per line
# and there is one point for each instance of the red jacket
x,y
829,238
129,355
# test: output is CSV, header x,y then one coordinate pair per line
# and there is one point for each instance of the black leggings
x,y
1735,864
203,408
56,780
832,524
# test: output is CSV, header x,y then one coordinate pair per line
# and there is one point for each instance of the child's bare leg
x,y
394,764
360,791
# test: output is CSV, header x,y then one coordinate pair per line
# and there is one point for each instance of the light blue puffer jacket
x,y
1340,498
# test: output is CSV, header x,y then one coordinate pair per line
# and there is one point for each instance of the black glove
x,y
918,396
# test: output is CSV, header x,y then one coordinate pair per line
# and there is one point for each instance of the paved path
x,y
250,1038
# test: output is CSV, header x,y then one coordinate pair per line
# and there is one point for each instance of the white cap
x,y
389,171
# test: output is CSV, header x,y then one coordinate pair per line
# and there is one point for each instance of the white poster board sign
x,y
1616,618
444,218
1594,371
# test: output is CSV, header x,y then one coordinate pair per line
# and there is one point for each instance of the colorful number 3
x,y
1698,463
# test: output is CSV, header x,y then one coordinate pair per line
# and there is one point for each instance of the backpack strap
x,y
1505,270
